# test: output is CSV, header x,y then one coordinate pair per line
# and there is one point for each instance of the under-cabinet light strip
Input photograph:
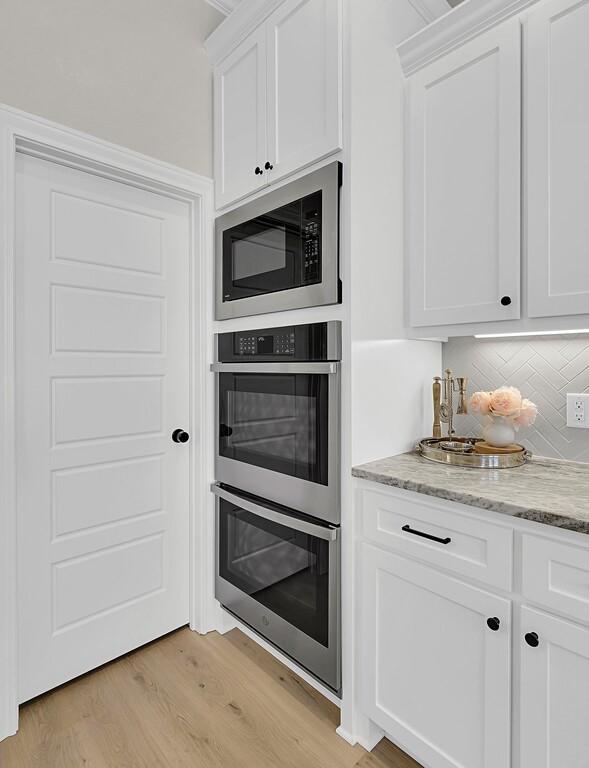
x,y
528,333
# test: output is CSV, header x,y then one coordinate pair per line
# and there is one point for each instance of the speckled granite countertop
x,y
544,490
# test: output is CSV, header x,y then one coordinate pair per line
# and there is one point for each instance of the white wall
x,y
133,72
391,377
393,406
376,146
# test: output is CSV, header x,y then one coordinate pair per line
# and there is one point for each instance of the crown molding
x,y
454,28
224,6
430,10
232,30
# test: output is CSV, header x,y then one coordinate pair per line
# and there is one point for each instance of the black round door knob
x,y
180,436
531,638
258,170
268,166
506,301
493,623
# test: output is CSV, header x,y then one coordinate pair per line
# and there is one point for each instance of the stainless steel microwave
x,y
281,251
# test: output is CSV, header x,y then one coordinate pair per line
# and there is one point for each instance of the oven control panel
x,y
292,344
266,344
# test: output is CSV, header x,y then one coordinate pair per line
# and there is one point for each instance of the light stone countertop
x,y
547,491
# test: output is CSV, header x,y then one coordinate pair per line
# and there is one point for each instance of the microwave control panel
x,y
311,238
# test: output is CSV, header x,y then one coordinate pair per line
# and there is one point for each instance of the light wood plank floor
x,y
188,701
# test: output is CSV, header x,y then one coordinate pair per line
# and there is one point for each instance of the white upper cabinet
x,y
554,692
557,131
463,206
278,98
304,89
240,120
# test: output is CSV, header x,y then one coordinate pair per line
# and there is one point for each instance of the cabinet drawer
x,y
427,530
556,575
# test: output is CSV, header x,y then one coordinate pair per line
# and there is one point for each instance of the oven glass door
x,y
274,252
281,568
278,421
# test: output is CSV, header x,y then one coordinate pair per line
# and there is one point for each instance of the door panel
x,y
464,182
102,374
554,693
240,120
304,84
557,71
435,677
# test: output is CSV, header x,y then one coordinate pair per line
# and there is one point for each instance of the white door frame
x,y
35,136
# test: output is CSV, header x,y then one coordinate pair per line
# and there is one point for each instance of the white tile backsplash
x,y
544,369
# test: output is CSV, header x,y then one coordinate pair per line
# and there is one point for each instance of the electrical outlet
x,y
578,410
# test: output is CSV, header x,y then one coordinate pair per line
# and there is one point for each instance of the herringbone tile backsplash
x,y
544,369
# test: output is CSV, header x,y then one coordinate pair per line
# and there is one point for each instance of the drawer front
x,y
556,575
467,546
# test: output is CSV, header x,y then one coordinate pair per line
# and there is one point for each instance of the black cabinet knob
x,y
268,165
180,436
493,623
531,638
506,301
258,170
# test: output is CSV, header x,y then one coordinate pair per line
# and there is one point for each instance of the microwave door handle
x,y
329,368
319,531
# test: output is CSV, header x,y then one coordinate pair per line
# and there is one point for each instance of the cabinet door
x,y
464,189
434,676
554,693
240,120
557,127
304,83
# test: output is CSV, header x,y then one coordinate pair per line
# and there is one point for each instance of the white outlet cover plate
x,y
578,410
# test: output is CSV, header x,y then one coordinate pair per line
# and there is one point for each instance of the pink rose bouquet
x,y
527,414
507,403
480,402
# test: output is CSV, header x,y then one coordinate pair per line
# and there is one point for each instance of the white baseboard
x,y
346,735
364,732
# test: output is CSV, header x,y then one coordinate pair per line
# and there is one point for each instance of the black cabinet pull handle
x,y
180,436
258,170
409,529
225,431
268,165
493,623
506,301
531,639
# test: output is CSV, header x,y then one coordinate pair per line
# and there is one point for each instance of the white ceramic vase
x,y
499,431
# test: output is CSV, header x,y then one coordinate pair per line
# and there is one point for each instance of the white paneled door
x,y
102,320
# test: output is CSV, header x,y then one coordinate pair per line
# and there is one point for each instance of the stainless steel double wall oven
x,y
278,480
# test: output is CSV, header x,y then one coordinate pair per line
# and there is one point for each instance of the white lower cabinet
x,y
554,692
435,661
438,661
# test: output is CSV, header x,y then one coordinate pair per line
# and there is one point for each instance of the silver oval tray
x,y
430,449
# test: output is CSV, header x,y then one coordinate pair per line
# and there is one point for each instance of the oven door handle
x,y
319,531
275,368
